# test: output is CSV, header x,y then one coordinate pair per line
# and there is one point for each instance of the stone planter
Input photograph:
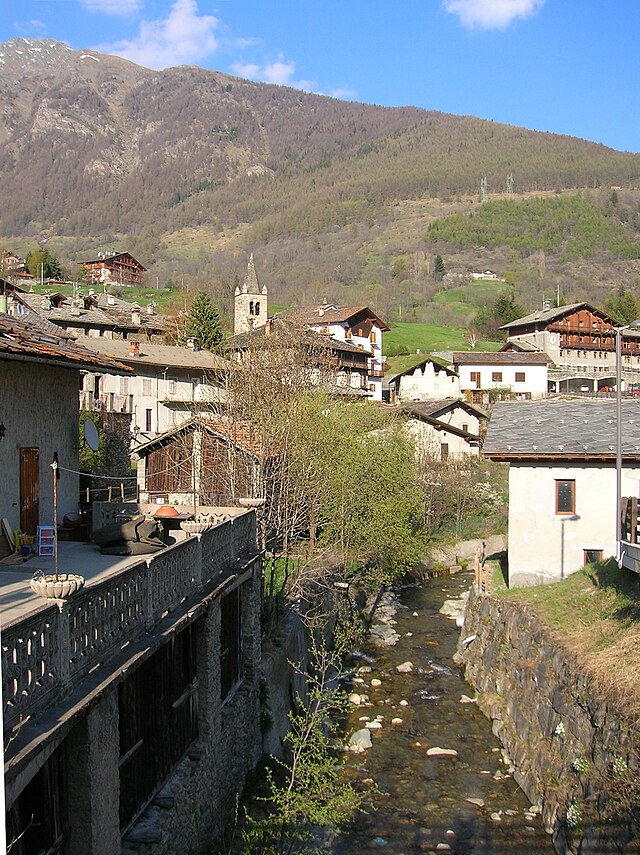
x,y
251,503
59,589
193,527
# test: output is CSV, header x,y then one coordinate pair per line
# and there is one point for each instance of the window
x,y
475,378
147,386
444,451
230,643
565,497
496,376
465,428
519,376
257,309
123,385
372,337
172,383
347,334
592,555
147,421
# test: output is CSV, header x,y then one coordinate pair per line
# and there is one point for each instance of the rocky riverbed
x,y
440,780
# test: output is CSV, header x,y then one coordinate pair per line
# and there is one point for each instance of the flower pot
x,y
193,527
251,503
58,589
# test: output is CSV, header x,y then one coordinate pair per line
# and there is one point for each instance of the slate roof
x,y
474,357
321,315
433,408
416,411
315,339
31,338
164,355
565,429
102,315
545,316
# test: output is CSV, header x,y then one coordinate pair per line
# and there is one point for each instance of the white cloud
x,y
183,37
282,73
491,14
279,72
112,7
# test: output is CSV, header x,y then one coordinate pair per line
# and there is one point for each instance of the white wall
x,y
39,409
374,349
428,383
535,382
170,403
429,440
544,546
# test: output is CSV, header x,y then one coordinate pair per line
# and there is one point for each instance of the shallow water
x,y
422,799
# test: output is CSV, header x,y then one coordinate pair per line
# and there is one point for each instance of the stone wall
x,y
573,751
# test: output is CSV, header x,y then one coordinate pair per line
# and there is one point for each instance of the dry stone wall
x,y
574,752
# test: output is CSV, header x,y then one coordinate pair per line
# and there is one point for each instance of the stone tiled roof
x,y
545,316
432,408
164,355
321,315
474,357
562,429
32,339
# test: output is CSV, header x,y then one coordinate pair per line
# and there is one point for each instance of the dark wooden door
x,y
29,489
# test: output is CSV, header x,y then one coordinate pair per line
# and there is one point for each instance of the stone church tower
x,y
249,302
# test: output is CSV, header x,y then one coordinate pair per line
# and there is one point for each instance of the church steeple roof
x,y
251,284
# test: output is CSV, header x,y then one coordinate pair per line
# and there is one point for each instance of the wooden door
x,y
29,489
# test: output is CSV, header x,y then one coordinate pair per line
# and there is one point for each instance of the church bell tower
x,y
249,302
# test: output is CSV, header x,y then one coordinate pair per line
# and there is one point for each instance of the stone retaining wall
x,y
574,752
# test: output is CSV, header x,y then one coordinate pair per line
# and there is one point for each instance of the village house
x,y
205,461
39,380
98,315
522,375
166,387
448,429
119,268
427,380
562,481
352,337
580,342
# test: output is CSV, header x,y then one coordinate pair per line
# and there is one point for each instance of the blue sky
x,y
567,66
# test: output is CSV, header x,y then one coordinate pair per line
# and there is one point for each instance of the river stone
x,y
355,698
374,725
396,721
443,847
375,682
360,741
477,802
404,703
405,668
465,699
436,751
496,817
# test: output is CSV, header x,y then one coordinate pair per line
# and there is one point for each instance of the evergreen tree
x,y
42,262
204,322
438,268
622,305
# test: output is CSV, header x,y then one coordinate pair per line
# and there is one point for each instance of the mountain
x,y
97,149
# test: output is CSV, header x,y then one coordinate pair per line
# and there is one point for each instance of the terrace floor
x,y
18,600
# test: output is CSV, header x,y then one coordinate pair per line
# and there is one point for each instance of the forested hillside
x,y
191,169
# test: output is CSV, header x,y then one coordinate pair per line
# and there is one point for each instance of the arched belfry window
x,y
257,311
251,312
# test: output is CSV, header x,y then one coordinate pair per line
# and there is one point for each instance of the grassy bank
x,y
595,614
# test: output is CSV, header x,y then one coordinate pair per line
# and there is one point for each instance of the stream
x,y
422,801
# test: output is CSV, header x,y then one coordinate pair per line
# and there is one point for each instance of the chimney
x,y
150,309
136,315
193,344
267,327
321,311
134,348
74,308
111,300
3,304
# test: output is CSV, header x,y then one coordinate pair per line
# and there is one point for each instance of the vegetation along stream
x,y
466,804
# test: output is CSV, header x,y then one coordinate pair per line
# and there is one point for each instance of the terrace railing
x,y
49,652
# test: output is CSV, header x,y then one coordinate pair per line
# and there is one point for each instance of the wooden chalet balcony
x,y
376,372
50,656
630,534
110,403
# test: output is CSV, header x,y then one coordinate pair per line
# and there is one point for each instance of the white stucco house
x,y
428,380
40,370
443,430
562,481
357,326
525,375
166,387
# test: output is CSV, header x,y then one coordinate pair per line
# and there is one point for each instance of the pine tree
x,y
204,322
438,268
